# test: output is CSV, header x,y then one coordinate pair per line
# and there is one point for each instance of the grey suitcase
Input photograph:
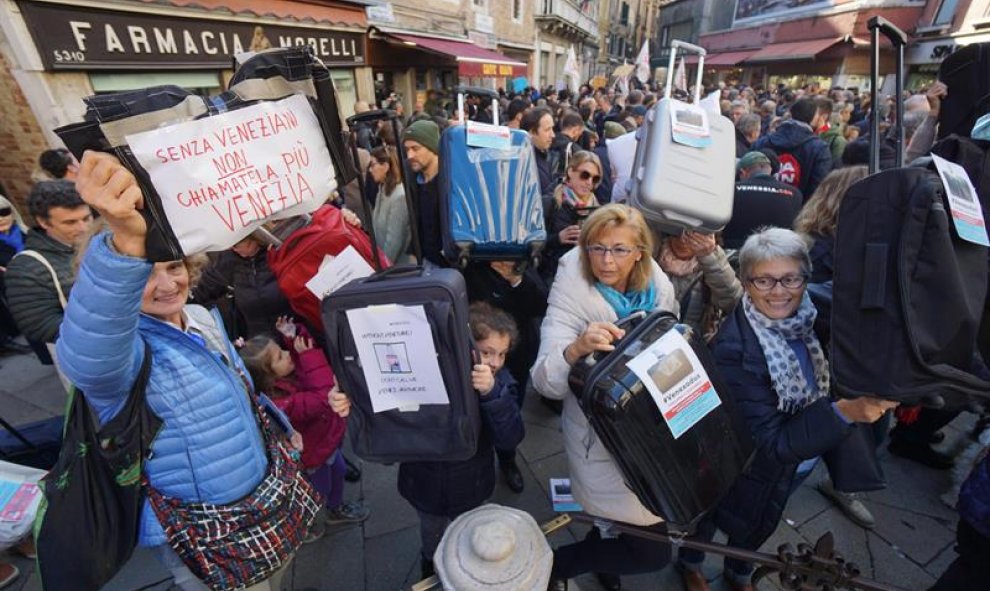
x,y
681,179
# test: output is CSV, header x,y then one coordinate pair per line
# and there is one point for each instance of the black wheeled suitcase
x,y
675,435
400,346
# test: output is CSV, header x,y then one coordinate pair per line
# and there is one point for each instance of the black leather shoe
x,y
513,477
557,585
609,582
921,453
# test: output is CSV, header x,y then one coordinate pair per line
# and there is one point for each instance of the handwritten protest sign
x,y
221,177
398,357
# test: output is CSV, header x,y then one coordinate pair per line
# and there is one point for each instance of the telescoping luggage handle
x,y
674,46
898,39
476,91
393,117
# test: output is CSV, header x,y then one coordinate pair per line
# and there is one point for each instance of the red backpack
x,y
298,259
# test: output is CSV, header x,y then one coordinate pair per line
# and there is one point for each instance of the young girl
x,y
299,381
440,491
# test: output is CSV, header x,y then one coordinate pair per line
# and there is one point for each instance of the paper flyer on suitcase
x,y
967,213
398,357
677,382
221,177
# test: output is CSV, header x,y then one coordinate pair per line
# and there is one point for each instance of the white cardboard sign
x,y
221,177
335,271
398,357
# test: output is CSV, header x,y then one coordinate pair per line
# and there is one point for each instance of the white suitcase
x,y
684,172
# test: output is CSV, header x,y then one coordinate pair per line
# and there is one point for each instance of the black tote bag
x,y
88,525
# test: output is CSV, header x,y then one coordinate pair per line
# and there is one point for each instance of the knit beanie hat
x,y
425,133
613,129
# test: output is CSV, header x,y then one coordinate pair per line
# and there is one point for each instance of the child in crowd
x,y
440,491
299,381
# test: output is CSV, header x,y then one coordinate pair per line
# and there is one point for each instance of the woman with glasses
x,y
775,370
573,201
610,276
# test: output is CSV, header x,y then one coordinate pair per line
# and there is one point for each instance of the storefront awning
x,y
471,59
796,50
729,58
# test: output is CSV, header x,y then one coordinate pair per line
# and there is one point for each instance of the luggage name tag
x,y
485,135
677,382
967,213
398,357
336,271
689,124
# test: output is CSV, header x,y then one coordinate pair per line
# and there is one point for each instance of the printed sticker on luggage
x,y
337,271
678,383
220,178
967,213
398,358
689,125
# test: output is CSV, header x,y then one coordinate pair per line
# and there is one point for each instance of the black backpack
x,y
908,294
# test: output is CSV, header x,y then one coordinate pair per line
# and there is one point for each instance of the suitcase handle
x,y
877,25
396,271
375,115
684,45
477,91
462,91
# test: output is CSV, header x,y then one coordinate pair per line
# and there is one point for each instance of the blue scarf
x,y
626,304
14,238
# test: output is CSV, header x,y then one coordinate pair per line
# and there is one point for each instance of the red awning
x,y
296,11
471,59
729,58
797,50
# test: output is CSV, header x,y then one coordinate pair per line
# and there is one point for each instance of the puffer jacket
x,y
709,293
210,448
974,497
809,151
31,295
574,303
451,488
751,510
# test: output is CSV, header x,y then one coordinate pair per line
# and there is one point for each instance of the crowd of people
x,y
88,295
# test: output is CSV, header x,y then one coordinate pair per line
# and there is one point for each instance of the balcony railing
x,y
567,13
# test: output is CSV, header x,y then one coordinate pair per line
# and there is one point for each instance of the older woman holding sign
x,y
210,461
777,374
609,276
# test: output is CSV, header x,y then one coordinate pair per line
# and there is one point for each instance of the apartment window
x,y
517,10
665,37
624,15
946,11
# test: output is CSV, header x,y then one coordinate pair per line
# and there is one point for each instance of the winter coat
x,y
822,258
836,143
559,217
751,510
210,448
796,140
547,165
257,300
603,193
391,223
451,488
526,303
31,294
428,224
761,200
742,144
712,291
303,398
575,303
974,497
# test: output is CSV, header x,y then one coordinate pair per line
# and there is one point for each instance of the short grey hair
x,y
740,103
912,121
767,244
749,123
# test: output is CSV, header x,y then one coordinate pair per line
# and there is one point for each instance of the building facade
x,y
561,25
944,27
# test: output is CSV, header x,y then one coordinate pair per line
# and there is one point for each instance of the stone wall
x,y
21,138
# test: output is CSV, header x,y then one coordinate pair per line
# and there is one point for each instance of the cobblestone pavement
x,y
910,546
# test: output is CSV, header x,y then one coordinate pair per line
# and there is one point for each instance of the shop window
x,y
201,83
946,11
343,83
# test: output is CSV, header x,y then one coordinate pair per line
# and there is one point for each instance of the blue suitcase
x,y
491,207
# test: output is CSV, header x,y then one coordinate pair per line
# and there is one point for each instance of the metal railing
x,y
569,12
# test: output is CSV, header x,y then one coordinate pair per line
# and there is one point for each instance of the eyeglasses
x,y
787,281
5,211
617,252
585,175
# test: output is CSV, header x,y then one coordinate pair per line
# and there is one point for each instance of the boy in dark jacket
x,y
804,157
440,491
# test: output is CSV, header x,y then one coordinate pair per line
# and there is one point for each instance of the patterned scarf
x,y
626,304
672,265
570,197
788,380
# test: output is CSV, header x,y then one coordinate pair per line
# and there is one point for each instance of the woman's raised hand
x,y
108,187
597,337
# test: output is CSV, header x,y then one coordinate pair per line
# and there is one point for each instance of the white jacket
x,y
574,303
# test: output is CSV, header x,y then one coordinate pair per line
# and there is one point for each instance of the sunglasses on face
x,y
5,211
585,175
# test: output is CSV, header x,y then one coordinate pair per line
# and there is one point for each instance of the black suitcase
x,y
967,74
426,432
678,471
